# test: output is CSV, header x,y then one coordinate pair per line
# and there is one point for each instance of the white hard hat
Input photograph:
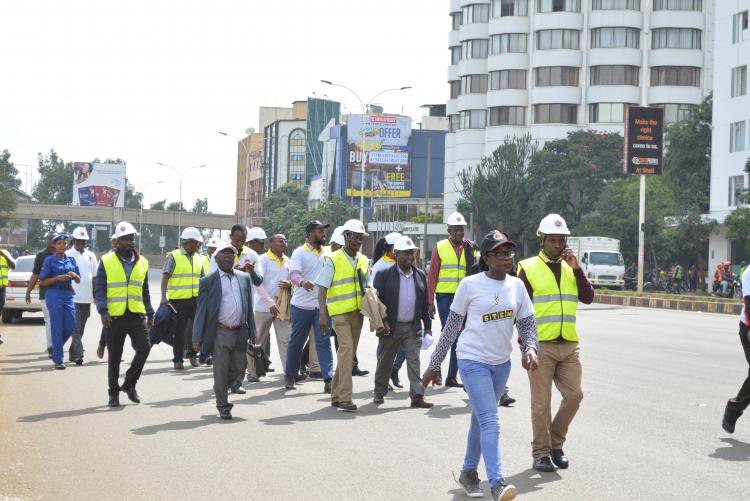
x,y
553,224
214,242
339,230
226,245
391,238
191,233
355,226
80,233
338,238
456,219
404,243
255,233
124,228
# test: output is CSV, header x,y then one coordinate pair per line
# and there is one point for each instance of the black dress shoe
x,y
79,362
316,375
179,365
347,406
132,395
299,377
238,390
225,414
559,458
356,371
506,400
452,382
114,401
394,378
544,464
728,422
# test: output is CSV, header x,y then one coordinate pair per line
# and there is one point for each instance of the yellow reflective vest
x,y
3,271
206,264
345,293
183,282
123,292
452,269
554,306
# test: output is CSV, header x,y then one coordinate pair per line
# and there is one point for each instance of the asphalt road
x,y
655,384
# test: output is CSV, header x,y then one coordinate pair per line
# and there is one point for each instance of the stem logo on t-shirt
x,y
497,315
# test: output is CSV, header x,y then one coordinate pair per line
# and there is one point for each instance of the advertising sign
x,y
386,153
100,185
644,140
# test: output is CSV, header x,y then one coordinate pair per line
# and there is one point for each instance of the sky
x,y
155,81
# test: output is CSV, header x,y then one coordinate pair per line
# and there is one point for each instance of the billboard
x,y
100,185
644,140
386,155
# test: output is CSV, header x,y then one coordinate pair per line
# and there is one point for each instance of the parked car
x,y
15,293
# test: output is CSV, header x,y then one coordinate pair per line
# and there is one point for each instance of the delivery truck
x,y
601,260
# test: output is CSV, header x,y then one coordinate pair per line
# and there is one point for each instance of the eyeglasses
x,y
508,254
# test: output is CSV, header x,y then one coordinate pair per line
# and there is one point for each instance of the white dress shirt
x,y
230,309
272,275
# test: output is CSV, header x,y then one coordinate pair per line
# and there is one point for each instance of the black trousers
x,y
132,325
737,405
183,341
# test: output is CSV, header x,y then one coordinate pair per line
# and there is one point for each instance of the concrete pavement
x,y
655,385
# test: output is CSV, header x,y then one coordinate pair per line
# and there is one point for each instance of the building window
x,y
736,187
507,79
509,42
476,13
456,19
297,157
739,81
473,119
676,112
737,136
455,86
556,113
676,38
615,37
607,112
503,8
614,75
615,4
558,5
553,76
474,84
557,39
452,123
474,49
689,76
696,5
455,54
739,27
508,115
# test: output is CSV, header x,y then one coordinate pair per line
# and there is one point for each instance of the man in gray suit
x,y
224,322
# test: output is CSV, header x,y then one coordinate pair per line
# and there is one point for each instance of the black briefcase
x,y
261,360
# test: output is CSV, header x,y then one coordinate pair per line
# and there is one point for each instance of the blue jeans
x,y
485,385
302,320
444,307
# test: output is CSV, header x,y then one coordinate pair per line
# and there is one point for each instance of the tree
x,y
9,182
495,190
334,212
55,185
286,212
738,226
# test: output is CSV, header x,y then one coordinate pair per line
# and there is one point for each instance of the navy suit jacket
x,y
207,313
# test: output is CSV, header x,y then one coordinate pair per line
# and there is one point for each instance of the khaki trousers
x,y
558,362
348,327
283,329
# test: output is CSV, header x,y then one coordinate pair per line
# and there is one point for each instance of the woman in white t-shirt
x,y
486,306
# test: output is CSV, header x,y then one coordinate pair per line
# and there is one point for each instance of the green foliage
x,y
9,182
738,225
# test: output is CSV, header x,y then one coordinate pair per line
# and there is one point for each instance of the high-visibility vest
x,y
3,271
183,282
554,306
124,291
345,293
452,269
206,264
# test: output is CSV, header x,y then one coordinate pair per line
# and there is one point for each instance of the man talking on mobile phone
x,y
555,283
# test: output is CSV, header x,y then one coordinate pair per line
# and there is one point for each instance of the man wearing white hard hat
x,y
555,283
341,285
6,263
124,303
403,290
84,290
452,260
181,273
383,256
213,244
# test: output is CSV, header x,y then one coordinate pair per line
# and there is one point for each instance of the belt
x,y
559,340
226,327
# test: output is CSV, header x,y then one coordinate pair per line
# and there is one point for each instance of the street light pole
x,y
365,109
181,176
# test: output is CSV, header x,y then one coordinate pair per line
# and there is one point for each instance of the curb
x,y
670,304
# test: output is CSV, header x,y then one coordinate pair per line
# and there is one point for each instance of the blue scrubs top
x,y
54,266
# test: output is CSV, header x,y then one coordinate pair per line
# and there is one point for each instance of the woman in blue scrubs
x,y
57,272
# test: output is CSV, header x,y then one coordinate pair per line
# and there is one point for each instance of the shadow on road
x,y
206,420
204,396
68,414
25,360
531,480
736,451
